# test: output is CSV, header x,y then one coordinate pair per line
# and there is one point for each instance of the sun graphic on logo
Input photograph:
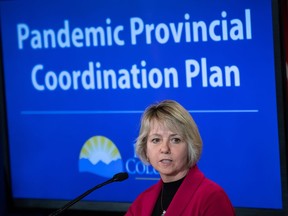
x,y
100,156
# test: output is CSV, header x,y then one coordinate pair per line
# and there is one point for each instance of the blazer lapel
x,y
182,196
152,197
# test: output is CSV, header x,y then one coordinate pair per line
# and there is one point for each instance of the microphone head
x,y
120,176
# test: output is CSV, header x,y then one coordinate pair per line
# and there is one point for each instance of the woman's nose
x,y
165,149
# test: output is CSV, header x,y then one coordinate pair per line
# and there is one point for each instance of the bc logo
x,y
100,156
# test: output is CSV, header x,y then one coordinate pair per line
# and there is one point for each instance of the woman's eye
x,y
155,140
175,140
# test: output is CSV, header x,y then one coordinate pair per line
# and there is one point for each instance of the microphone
x,y
117,177
120,176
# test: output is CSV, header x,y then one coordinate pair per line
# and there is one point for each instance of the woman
x,y
169,140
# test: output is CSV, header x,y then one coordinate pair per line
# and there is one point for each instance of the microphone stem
x,y
72,202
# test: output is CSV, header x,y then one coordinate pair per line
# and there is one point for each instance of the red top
x,y
196,196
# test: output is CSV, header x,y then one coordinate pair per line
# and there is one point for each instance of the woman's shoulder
x,y
197,176
145,201
151,191
211,187
205,186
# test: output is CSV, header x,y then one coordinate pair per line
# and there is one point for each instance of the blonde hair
x,y
176,118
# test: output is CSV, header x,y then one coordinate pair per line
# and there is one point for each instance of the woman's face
x,y
167,152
